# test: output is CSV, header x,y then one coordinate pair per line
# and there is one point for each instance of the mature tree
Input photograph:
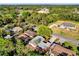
x,y
24,14
44,31
7,18
20,48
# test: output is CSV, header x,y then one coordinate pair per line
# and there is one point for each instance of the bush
x,y
70,46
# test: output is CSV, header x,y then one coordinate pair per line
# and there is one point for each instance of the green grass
x,y
74,48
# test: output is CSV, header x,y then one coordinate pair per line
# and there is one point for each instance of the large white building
x,y
67,26
44,10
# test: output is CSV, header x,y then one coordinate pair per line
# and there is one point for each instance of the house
x,y
68,26
43,47
38,43
44,10
24,38
30,33
35,41
58,50
17,29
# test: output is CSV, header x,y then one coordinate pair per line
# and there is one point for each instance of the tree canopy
x,y
5,46
44,31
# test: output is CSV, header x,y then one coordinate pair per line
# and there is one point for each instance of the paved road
x,y
63,39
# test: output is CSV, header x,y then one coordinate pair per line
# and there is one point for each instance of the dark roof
x,y
68,24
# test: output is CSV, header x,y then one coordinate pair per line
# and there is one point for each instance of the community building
x,y
68,26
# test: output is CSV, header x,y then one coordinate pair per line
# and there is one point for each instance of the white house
x,y
44,10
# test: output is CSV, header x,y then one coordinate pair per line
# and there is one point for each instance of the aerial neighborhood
x,y
39,31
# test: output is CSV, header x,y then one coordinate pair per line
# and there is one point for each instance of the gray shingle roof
x,y
67,24
44,45
37,40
